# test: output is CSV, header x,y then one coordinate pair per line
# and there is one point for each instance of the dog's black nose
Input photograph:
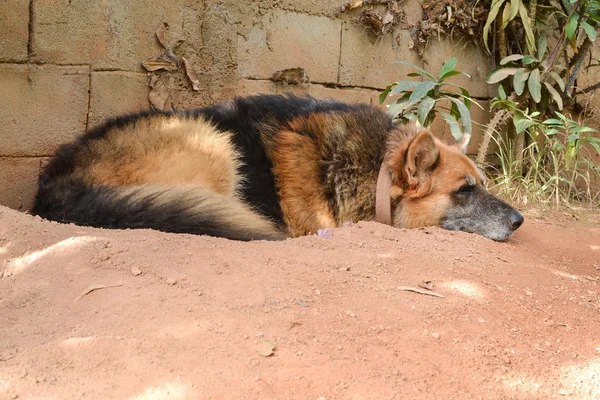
x,y
516,219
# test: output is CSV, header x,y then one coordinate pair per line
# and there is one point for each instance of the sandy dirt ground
x,y
95,314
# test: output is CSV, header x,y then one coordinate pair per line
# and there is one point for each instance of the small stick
x,y
421,291
92,288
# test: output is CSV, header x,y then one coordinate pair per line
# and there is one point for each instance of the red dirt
x,y
518,319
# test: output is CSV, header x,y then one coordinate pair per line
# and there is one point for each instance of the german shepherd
x,y
267,167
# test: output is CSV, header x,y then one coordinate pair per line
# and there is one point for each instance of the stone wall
x,y
66,65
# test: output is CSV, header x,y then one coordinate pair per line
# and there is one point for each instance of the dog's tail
x,y
178,209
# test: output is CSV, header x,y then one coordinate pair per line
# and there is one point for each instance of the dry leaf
x,y
294,76
351,5
325,233
167,60
265,348
388,18
160,90
426,285
191,74
161,33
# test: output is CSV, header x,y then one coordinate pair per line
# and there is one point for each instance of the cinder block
x,y
248,87
370,62
18,181
41,107
114,93
110,34
285,40
328,8
413,12
14,30
348,95
472,60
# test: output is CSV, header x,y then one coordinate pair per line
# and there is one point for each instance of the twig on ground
x,y
421,291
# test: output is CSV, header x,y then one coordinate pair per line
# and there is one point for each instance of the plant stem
x,y
501,35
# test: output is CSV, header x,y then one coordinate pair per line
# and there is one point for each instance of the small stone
x,y
135,271
529,293
435,335
171,281
351,314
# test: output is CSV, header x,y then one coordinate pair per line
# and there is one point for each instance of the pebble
x,y
135,271
435,335
171,281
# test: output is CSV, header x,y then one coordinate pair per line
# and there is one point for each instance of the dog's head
x,y
436,184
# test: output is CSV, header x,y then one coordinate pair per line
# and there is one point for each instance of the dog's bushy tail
x,y
178,209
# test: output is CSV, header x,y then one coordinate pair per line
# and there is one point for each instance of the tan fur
x,y
301,195
426,198
167,151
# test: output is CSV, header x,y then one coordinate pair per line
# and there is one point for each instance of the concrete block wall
x,y
65,66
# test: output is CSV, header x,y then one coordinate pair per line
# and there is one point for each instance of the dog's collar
x,y
383,199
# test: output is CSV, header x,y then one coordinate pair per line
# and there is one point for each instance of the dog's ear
x,y
422,157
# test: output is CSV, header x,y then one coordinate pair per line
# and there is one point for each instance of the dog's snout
x,y
516,219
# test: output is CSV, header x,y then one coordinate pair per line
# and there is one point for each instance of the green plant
x,y
421,100
554,167
532,73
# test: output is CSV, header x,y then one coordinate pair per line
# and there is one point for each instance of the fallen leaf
x,y
265,348
426,285
191,74
301,303
167,61
161,33
351,5
325,233
347,224
160,90
388,18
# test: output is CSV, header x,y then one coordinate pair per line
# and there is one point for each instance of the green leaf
x,y
383,95
522,124
589,31
542,46
514,9
534,85
425,107
413,74
403,86
519,80
552,121
529,60
501,73
448,67
422,72
581,129
571,26
501,92
528,28
496,4
558,79
514,57
467,97
452,73
397,108
505,16
421,90
555,95
465,116
453,123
